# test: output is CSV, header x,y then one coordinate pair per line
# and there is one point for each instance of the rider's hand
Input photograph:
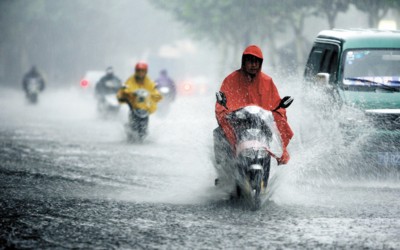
x,y
156,97
285,158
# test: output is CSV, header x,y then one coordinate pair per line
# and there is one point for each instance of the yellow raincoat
x,y
126,94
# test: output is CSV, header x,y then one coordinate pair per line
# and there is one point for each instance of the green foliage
x,y
330,9
225,21
237,23
376,9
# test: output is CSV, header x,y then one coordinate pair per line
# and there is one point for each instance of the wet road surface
x,y
70,180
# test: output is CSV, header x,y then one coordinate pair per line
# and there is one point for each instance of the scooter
x,y
168,97
107,105
137,126
245,171
33,89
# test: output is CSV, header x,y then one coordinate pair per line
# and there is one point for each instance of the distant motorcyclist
x,y
105,91
249,86
140,80
108,84
164,81
33,83
31,77
141,95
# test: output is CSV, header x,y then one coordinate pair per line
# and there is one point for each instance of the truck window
x,y
323,59
313,63
330,63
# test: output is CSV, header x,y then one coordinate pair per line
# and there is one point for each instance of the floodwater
x,y
69,179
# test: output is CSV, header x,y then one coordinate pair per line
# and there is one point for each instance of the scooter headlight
x,y
164,90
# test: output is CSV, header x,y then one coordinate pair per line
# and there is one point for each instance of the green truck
x,y
360,69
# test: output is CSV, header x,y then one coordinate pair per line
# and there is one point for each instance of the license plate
x,y
389,158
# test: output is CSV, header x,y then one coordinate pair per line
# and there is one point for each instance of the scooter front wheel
x,y
257,186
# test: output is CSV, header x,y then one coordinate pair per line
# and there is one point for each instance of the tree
x,y
230,24
375,9
66,38
330,9
297,11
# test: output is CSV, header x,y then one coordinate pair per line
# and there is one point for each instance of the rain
x,y
70,176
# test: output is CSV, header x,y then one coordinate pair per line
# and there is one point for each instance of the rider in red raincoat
x,y
249,86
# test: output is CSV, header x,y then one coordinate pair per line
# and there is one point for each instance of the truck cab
x,y
362,65
360,68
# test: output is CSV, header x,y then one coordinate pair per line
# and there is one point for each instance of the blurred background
x,y
198,39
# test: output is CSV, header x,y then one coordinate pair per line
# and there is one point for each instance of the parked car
x,y
361,69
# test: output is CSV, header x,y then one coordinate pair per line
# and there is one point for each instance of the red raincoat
x,y
241,90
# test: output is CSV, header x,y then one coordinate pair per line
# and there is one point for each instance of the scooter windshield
x,y
142,95
255,127
142,101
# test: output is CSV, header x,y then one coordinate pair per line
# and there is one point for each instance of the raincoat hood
x,y
255,51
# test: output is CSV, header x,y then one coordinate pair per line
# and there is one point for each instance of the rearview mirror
x,y
322,79
221,98
285,102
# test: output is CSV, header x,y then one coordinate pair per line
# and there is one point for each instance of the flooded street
x,y
71,180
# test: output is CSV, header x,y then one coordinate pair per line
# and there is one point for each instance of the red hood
x,y
255,51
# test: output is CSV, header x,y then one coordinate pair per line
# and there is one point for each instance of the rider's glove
x,y
284,158
156,97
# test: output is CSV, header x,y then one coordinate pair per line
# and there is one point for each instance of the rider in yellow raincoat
x,y
140,80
